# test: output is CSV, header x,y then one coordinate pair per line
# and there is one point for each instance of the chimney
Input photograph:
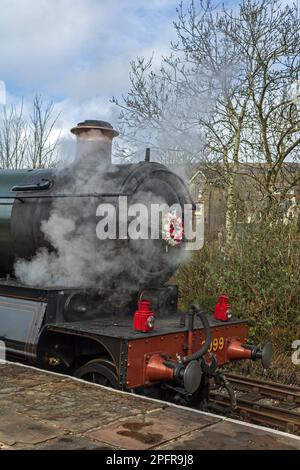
x,y
94,142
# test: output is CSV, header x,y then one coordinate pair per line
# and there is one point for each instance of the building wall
x,y
214,200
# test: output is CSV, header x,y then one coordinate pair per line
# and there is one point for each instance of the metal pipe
x,y
147,155
204,348
222,379
55,196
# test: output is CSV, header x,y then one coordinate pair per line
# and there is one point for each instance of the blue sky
x,y
77,52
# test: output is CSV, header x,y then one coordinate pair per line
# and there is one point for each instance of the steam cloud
x,y
79,259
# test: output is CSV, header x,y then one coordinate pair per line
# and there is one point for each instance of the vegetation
x,y
261,276
224,98
224,95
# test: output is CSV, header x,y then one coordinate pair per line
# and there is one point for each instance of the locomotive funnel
x,y
94,140
102,128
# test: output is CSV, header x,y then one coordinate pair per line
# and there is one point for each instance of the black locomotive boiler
x,y
117,322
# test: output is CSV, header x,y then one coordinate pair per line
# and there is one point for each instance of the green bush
x,y
260,274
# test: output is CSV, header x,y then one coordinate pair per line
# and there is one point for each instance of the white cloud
x,y
77,52
37,37
49,43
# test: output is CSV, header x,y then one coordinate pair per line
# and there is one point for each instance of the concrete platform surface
x,y
41,410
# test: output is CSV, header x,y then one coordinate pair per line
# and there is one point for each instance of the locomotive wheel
x,y
98,371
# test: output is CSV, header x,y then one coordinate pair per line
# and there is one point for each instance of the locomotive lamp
x,y
223,309
144,318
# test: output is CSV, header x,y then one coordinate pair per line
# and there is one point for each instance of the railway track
x,y
263,402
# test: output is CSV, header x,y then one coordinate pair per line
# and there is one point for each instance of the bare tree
x,y
270,35
27,141
228,82
41,145
13,138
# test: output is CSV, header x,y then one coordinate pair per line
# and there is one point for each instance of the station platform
x,y
41,410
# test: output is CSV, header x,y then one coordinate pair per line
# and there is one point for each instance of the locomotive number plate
x,y
217,344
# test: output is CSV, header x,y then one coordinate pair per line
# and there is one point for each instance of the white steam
x,y
78,258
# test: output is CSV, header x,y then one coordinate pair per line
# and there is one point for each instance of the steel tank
x,y
9,179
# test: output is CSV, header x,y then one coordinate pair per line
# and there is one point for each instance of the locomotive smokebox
x,y
49,220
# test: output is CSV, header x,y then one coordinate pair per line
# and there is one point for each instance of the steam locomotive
x,y
123,328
